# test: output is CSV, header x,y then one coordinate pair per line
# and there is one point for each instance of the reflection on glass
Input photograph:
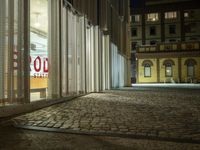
x,y
190,71
38,49
11,52
168,71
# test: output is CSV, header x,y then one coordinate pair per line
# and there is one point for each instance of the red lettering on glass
x,y
37,67
15,57
46,65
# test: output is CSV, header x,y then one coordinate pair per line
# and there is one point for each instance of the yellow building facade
x,y
169,63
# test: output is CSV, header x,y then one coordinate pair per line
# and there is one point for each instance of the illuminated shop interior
x,y
51,49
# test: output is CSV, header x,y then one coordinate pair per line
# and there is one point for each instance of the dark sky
x,y
137,3
140,3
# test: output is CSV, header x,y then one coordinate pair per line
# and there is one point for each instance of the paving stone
x,y
123,130
58,125
114,129
50,125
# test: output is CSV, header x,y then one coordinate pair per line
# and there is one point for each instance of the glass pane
x,y
38,49
152,17
71,53
80,57
147,71
169,71
190,70
11,52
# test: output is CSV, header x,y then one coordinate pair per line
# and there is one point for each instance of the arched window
x,y
190,70
168,67
190,63
168,70
147,68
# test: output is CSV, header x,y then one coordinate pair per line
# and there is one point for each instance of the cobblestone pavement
x,y
18,139
163,115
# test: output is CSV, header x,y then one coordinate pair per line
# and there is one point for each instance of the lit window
x,y
168,67
171,15
186,14
152,17
147,67
147,70
168,70
136,18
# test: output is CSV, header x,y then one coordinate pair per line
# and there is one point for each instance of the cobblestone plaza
x,y
169,115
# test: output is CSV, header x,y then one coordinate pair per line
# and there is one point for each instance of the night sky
x,y
140,3
136,3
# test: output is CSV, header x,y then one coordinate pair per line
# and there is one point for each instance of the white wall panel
x,y
54,49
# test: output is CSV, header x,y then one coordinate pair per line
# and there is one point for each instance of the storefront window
x,y
11,52
38,49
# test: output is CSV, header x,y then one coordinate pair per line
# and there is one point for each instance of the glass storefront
x,y
11,52
67,55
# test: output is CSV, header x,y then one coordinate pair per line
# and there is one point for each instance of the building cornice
x,y
168,54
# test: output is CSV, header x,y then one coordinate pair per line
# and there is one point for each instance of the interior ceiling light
x,y
37,22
